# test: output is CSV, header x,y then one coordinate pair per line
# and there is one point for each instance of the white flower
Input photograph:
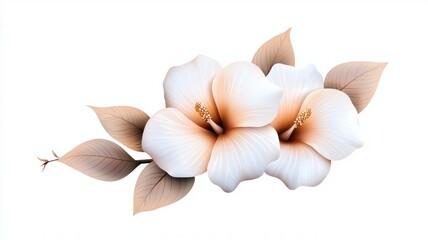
x,y
315,125
217,119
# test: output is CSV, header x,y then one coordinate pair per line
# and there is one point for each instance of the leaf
x,y
54,153
100,159
155,189
123,123
277,50
357,79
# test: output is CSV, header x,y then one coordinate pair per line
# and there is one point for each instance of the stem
x,y
143,161
45,162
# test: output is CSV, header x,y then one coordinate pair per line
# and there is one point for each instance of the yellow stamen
x,y
203,111
206,116
302,117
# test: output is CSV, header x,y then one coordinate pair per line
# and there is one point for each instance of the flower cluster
x,y
235,122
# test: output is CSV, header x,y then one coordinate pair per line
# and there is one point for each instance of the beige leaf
x,y
100,159
123,123
155,189
276,50
357,79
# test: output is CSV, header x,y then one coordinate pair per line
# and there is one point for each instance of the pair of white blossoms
x,y
236,123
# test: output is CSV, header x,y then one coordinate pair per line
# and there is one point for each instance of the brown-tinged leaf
x,y
277,50
155,189
100,159
54,153
123,123
357,79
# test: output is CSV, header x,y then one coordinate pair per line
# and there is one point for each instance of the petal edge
x,y
242,154
299,165
189,83
332,129
176,144
296,83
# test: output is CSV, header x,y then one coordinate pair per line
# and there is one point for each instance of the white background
x,y
59,56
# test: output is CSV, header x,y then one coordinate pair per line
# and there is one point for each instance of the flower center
x,y
301,118
206,116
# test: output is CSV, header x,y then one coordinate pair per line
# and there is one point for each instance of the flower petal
x,y
189,83
299,165
242,154
332,129
297,83
244,97
176,144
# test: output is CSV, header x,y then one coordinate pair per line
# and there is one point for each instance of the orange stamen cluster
x,y
302,117
203,111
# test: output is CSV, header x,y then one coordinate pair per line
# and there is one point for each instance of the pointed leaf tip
x,y
276,50
54,153
357,79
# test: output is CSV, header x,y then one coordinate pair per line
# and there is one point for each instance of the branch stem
x,y
45,162
143,161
